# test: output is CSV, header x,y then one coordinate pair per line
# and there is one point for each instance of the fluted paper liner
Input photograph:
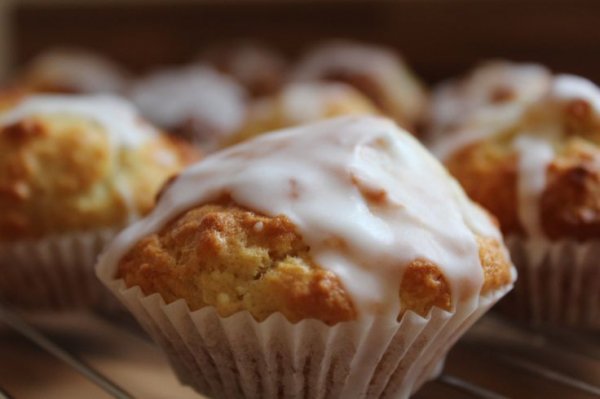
x,y
559,282
236,356
55,272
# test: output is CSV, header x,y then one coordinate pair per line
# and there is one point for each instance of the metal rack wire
x,y
559,361
20,326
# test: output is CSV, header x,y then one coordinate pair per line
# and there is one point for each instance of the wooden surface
x,y
129,359
440,38
504,359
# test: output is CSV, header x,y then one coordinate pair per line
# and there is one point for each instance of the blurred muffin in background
x,y
318,261
491,96
70,70
377,72
195,102
257,67
300,103
539,173
73,171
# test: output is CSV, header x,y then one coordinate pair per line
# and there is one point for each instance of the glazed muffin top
x,y
65,70
195,101
378,72
300,103
73,163
492,96
338,220
540,174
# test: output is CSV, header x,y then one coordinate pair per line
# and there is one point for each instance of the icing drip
x,y
535,154
119,118
173,97
365,196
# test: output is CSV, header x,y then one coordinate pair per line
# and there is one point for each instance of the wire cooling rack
x,y
88,356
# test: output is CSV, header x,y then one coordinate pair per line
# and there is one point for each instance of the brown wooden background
x,y
439,37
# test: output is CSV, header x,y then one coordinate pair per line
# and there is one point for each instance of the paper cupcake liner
x,y
559,282
55,272
237,356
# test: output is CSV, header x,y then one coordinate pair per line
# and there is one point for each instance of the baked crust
x,y
488,173
569,205
234,259
59,173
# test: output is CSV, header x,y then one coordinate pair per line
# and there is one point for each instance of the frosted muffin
x,y
335,259
540,176
73,171
301,103
378,72
194,102
73,71
260,69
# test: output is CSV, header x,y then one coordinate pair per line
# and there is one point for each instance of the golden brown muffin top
x,y
351,212
234,259
541,175
301,103
61,170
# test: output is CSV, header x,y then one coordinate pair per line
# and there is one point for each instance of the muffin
x,y
260,69
194,102
302,103
540,176
73,171
335,259
378,72
73,71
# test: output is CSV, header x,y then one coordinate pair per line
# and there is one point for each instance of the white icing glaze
x,y
571,87
79,70
535,153
388,72
119,118
170,98
478,126
321,177
465,111
455,100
